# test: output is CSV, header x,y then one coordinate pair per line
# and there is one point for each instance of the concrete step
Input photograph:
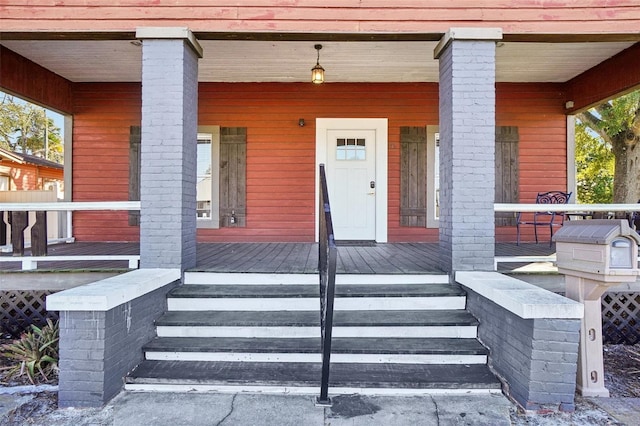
x,y
301,297
212,278
290,324
304,378
400,334
347,350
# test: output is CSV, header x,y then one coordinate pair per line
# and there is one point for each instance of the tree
x,y
617,122
594,167
24,128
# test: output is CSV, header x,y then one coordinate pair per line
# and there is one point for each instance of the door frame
x,y
381,128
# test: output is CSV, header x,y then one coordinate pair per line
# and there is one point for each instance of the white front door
x,y
351,178
355,154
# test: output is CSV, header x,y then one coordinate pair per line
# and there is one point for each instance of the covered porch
x,y
299,258
170,92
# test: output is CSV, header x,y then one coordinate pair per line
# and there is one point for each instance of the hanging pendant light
x,y
317,72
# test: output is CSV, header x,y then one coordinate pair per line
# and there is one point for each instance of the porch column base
x,y
103,326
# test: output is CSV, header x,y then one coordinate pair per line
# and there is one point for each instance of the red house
x,y
428,115
24,172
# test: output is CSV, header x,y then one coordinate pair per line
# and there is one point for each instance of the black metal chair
x,y
544,218
634,220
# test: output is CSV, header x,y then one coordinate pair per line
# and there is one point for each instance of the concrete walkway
x,y
158,409
149,409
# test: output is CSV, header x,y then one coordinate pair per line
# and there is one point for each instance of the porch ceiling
x,y
291,61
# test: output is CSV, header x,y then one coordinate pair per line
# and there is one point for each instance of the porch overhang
x,y
287,57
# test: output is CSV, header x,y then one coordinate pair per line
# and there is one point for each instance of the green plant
x,y
35,353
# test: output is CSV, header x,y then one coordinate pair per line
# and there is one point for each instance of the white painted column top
x,y
466,34
167,33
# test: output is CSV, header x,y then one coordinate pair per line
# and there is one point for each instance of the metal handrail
x,y
327,257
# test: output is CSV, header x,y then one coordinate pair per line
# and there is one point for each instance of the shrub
x,y
35,353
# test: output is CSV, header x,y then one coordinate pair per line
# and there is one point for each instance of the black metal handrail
x,y
328,253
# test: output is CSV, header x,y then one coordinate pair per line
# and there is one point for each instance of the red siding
x,y
30,81
281,155
103,114
537,110
622,75
339,16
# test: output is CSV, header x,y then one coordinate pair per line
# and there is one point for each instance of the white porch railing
x,y
69,208
566,208
31,262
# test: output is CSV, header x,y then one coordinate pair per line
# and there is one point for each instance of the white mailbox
x,y
603,250
594,255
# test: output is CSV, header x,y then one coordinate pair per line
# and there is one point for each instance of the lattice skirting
x,y
20,309
621,318
620,314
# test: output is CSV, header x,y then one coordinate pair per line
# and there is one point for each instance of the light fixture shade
x,y
317,74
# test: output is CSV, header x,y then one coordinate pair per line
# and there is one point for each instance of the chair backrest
x,y
553,197
634,220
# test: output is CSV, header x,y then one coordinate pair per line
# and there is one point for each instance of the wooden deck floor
x,y
392,258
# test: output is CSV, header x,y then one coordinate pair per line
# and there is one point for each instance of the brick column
x,y
169,133
467,146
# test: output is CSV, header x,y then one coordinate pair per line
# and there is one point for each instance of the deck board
x,y
390,258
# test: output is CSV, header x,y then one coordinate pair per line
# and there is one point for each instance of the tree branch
x,y
635,124
594,123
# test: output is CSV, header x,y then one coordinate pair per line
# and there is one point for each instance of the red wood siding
x,y
30,81
281,155
339,16
537,110
103,114
622,75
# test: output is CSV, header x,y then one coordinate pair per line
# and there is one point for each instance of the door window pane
x,y
350,149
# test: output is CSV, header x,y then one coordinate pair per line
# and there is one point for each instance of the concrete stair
x,y
250,332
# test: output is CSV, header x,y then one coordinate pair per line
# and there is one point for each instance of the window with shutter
x,y
134,172
221,176
413,176
233,176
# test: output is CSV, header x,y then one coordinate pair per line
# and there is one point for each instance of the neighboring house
x,y
28,178
481,94
24,172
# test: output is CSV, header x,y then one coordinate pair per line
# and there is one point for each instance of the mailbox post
x,y
594,255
